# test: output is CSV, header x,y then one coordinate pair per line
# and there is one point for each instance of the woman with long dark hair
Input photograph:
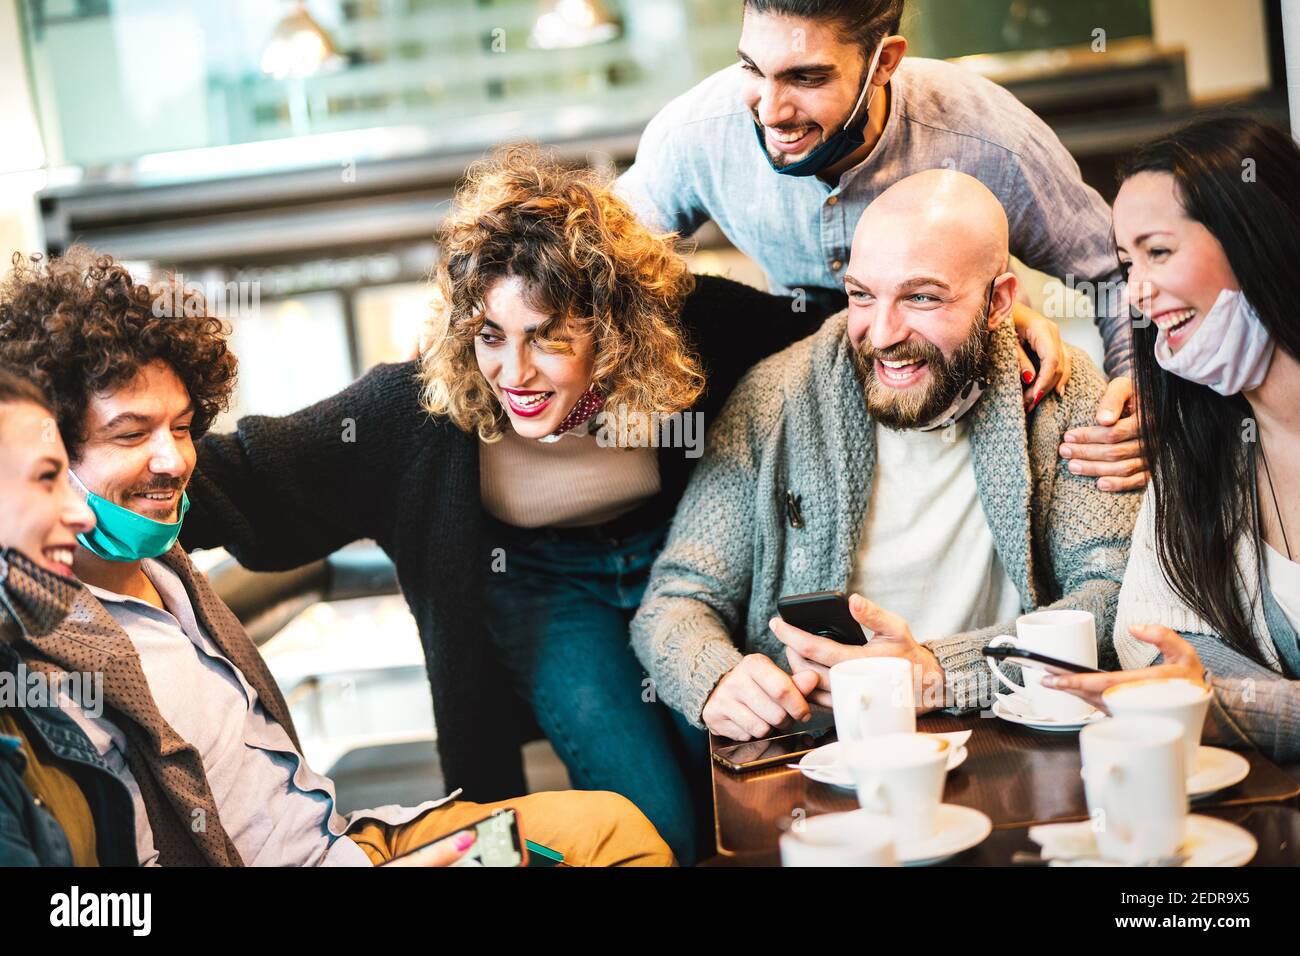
x,y
1207,227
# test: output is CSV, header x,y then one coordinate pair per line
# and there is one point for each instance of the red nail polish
x,y
1027,376
464,840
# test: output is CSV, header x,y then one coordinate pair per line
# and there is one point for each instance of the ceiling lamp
x,y
299,47
566,24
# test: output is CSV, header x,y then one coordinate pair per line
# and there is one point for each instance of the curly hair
x,y
79,325
585,260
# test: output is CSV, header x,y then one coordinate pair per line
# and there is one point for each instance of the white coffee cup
x,y
855,838
1066,634
902,777
872,696
1135,786
1186,701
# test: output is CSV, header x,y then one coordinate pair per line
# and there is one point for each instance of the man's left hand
x,y
892,638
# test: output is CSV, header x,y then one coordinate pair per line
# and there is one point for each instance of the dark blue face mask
x,y
840,144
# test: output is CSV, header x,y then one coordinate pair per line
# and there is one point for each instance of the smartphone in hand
x,y
497,842
824,613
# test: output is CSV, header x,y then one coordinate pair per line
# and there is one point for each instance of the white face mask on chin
x,y
1230,351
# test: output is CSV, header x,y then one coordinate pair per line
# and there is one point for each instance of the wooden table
x,y
1017,776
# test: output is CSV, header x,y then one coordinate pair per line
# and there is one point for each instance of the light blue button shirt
x,y
699,159
275,808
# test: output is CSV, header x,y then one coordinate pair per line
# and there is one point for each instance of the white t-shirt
x,y
1284,582
925,551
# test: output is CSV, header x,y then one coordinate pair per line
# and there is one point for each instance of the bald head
x,y
940,230
937,215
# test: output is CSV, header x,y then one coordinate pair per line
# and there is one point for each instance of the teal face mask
x,y
122,535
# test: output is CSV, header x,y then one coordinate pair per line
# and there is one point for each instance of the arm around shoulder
x,y
658,185
1062,226
281,491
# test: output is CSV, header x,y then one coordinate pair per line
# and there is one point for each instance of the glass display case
x,y
118,80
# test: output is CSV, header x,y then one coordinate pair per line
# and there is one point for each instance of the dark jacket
x,y
370,462
30,834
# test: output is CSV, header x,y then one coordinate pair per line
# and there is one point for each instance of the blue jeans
x,y
558,613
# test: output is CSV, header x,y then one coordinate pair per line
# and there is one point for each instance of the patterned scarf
x,y
32,599
586,407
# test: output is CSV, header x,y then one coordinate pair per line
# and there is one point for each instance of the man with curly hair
x,y
196,725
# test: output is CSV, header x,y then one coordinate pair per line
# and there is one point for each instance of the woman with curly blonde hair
x,y
522,475
554,245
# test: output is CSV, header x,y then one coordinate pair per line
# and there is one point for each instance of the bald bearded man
x,y
887,455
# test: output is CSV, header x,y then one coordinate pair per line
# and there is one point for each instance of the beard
x,y
781,160
919,405
158,483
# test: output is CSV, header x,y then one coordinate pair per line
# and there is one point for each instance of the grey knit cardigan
x,y
798,423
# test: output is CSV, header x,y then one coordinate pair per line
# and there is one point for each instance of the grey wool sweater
x,y
798,422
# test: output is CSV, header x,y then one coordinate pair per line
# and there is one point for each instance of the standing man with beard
x,y
822,112
888,455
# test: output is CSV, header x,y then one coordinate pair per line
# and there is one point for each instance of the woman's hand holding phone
x,y
1180,660
443,853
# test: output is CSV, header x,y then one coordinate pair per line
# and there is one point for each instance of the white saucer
x,y
1214,842
1216,769
1209,842
823,764
1007,712
959,828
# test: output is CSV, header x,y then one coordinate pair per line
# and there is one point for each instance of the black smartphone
x,y
1016,654
824,613
753,754
497,841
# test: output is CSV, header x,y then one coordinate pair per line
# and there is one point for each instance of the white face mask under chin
x,y
1230,350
